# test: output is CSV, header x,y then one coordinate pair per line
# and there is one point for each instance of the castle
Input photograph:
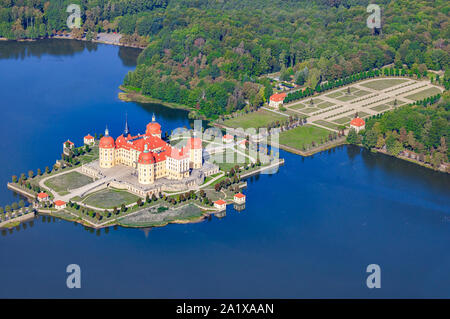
x,y
152,157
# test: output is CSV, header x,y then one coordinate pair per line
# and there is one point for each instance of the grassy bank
x,y
131,94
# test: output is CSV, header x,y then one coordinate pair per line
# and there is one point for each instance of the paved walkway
x,y
83,189
274,111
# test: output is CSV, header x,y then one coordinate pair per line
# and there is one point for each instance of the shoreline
x,y
311,152
407,159
69,37
128,95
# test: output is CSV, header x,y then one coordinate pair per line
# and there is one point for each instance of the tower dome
x,y
106,141
153,128
146,157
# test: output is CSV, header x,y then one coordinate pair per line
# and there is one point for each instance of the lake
x,y
308,231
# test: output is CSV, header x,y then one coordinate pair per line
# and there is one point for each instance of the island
x,y
143,180
384,89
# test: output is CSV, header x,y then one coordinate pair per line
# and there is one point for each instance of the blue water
x,y
308,231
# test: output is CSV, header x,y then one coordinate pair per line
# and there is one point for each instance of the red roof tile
x,y
153,128
220,202
357,122
239,195
194,143
278,97
106,142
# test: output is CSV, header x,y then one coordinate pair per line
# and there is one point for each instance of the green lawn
x,y
65,182
334,94
324,105
159,216
297,106
208,178
342,120
380,108
303,136
391,103
382,83
327,124
109,198
89,157
310,110
315,101
423,94
346,98
360,93
225,163
260,118
363,114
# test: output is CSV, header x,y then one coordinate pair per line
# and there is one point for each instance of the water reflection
x,y
129,56
55,47
353,151
239,207
12,230
60,47
164,112
221,214
406,170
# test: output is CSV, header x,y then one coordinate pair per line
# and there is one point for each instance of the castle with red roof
x,y
152,157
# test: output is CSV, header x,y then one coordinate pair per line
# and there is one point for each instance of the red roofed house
x,y
227,138
42,197
358,124
89,140
239,198
277,100
242,144
220,204
67,146
151,156
59,204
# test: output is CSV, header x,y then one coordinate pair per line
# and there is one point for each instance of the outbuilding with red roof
x,y
220,204
227,138
59,204
42,197
276,100
239,198
89,140
358,124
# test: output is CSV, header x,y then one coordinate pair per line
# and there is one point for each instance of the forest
x,y
421,128
211,54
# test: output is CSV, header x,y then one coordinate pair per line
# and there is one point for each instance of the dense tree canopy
x,y
418,128
208,54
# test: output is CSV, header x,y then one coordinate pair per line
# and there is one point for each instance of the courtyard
x,y
63,183
109,198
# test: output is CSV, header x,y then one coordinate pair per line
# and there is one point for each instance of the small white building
x,y
59,204
67,147
220,204
89,140
358,124
239,198
227,138
42,197
277,100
